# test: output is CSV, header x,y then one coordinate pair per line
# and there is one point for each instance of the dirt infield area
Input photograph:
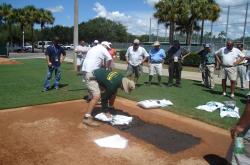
x,y
52,135
8,61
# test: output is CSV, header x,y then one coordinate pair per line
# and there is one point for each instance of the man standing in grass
x,y
176,55
135,57
229,57
209,65
55,56
156,60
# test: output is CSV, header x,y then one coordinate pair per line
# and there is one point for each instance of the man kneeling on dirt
x,y
108,82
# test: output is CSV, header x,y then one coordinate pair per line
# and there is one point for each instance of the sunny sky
x,y
134,14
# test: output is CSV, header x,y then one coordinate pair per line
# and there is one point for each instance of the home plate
x,y
114,141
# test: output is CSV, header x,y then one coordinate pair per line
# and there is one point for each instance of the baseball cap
x,y
128,85
96,41
106,43
136,41
207,45
156,43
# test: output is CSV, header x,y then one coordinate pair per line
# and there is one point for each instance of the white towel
x,y
114,119
229,112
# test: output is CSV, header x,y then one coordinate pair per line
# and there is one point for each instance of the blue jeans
x,y
49,76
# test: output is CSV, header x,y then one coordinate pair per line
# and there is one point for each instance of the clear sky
x,y
134,14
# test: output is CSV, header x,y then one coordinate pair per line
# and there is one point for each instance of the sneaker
x,y
45,90
170,85
90,121
56,88
224,94
177,85
232,95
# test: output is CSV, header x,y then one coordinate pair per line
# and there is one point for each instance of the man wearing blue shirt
x,y
55,56
156,60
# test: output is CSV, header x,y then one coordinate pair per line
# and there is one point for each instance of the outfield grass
x,y
21,85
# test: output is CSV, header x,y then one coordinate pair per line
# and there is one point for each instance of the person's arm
x,y
240,59
243,122
186,54
126,55
145,55
47,57
63,55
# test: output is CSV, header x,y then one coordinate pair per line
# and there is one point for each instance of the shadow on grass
x,y
79,89
213,159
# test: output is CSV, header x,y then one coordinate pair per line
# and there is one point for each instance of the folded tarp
x,y
154,103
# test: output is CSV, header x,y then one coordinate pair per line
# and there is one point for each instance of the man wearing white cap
x,y
135,57
156,60
96,42
95,59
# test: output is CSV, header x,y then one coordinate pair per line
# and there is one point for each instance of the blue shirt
x,y
54,52
156,55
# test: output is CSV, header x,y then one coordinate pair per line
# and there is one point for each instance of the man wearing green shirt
x,y
109,82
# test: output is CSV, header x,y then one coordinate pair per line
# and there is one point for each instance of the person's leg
x,y
130,71
223,77
170,73
94,90
242,76
206,76
232,76
232,87
223,83
158,69
210,75
57,77
48,78
178,73
151,73
137,71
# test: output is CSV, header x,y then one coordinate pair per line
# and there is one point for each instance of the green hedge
x,y
191,60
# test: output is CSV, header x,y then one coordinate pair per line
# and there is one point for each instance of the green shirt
x,y
109,80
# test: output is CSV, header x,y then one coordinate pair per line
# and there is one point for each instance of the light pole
x,y
75,29
23,39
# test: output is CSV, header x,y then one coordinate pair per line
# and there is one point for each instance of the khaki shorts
x,y
230,72
92,85
155,68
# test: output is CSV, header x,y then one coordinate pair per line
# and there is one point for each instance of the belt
x,y
210,63
228,66
242,64
155,62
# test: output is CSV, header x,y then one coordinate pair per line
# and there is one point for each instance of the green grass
x,y
21,85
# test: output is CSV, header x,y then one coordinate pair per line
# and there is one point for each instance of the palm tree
x,y
168,12
211,12
7,17
32,16
45,17
198,10
20,19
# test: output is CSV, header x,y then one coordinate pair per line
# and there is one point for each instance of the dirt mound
x,y
8,61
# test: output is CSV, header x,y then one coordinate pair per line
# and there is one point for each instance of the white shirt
x,y
135,57
81,51
95,58
228,57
